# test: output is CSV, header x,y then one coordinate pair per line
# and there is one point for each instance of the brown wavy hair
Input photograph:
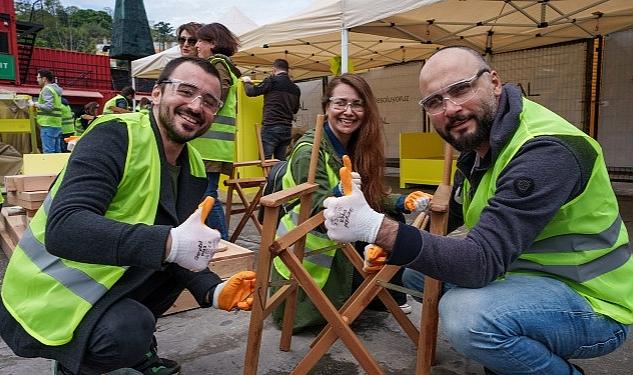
x,y
366,146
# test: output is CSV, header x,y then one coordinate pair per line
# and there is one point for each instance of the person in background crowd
x,y
120,103
89,114
68,124
49,112
186,34
281,103
217,147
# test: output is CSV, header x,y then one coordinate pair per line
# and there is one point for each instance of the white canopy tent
x,y
386,32
151,66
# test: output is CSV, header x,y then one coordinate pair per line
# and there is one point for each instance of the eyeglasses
x,y
458,93
341,104
191,91
190,41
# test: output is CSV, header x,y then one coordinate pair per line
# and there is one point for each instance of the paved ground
x,y
207,341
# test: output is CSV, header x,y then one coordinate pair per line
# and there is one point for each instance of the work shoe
x,y
406,308
153,365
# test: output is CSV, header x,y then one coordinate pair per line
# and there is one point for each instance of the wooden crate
x,y
225,264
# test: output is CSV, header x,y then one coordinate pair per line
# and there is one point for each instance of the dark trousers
x,y
275,139
125,332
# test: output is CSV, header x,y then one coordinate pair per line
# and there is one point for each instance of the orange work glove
x,y
236,292
374,259
417,201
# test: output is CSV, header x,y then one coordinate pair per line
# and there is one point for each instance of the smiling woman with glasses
x,y
354,128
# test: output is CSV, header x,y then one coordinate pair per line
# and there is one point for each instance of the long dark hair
x,y
366,146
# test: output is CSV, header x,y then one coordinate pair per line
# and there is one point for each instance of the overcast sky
x,y
177,12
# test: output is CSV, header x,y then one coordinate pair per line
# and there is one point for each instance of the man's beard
x,y
481,135
169,127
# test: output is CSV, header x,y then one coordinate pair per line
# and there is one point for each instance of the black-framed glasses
x,y
341,104
192,92
190,41
458,93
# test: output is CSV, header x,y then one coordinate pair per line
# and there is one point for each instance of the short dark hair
x,y
173,64
46,74
191,27
225,41
281,64
127,91
92,106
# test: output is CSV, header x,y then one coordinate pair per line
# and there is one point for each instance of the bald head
x,y
449,65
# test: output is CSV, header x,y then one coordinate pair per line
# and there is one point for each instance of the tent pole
x,y
344,49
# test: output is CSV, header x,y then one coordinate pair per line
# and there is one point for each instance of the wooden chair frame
x,y
339,321
235,183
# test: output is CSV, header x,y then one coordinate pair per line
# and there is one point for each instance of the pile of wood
x,y
25,195
28,191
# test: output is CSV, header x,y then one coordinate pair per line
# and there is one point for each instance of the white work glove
x,y
356,180
193,243
349,218
417,201
31,103
246,79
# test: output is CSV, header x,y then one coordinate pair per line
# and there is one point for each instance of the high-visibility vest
x,y
112,103
68,121
49,296
318,264
586,244
52,117
218,143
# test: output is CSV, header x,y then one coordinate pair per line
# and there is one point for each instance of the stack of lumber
x,y
28,191
13,223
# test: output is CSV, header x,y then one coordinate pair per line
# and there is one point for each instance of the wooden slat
x,y
32,196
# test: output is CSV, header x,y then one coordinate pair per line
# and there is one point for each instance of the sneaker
x,y
406,308
154,365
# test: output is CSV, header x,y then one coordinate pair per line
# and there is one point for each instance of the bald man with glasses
x,y
543,275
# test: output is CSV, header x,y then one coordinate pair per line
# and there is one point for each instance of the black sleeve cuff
x,y
407,247
203,284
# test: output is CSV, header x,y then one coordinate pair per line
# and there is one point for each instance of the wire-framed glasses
x,y
458,93
191,92
341,104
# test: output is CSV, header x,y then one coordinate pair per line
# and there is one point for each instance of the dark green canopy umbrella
x,y
131,37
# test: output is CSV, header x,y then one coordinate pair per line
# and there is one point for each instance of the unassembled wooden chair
x,y
238,184
339,322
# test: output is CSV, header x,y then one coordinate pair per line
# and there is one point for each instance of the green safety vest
x,y
586,244
218,143
112,103
53,117
68,123
318,264
49,296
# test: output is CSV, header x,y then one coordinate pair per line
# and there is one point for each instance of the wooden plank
x,y
7,243
228,267
29,205
184,302
9,183
15,225
33,182
32,196
12,197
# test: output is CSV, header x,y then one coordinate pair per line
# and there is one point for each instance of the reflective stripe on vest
x,y
218,142
52,117
317,264
586,244
60,291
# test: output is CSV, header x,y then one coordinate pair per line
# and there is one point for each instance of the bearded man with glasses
x,y
120,236
543,275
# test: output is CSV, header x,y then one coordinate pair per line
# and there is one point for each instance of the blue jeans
x,y
275,139
51,139
216,218
524,324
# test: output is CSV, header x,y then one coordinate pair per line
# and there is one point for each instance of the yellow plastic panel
x,y
35,164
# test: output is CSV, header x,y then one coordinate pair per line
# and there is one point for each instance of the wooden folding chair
x,y
338,321
238,184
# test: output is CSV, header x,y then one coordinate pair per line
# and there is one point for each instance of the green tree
x,y
162,33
